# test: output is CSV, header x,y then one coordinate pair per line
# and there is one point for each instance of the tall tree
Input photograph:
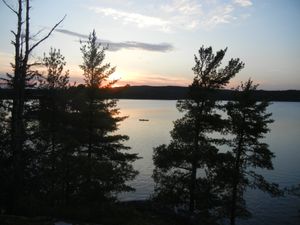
x,y
107,165
177,165
19,80
248,120
52,136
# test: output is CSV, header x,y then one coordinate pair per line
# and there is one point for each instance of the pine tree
x,y
177,175
52,138
55,78
106,165
248,120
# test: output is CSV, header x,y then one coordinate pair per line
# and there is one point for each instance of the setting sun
x,y
116,76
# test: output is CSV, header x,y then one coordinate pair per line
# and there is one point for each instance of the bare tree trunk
x,y
194,163
194,173
90,133
233,204
193,188
236,182
17,126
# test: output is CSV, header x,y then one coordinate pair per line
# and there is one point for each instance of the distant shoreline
x,y
168,93
177,92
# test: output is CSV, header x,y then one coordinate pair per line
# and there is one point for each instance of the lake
x,y
284,141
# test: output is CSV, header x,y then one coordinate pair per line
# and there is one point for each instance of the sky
x,y
153,42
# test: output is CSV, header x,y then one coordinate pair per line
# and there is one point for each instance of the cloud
x,y
154,80
183,14
116,46
184,7
221,15
72,33
134,18
172,15
162,47
243,3
178,13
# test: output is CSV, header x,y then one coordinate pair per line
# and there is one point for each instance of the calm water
x,y
284,141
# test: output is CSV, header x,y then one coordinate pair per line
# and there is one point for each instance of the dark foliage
x,y
106,166
185,170
60,150
20,155
248,123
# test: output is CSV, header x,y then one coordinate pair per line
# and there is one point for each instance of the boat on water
x,y
143,120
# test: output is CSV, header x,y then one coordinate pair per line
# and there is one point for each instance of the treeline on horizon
x,y
165,93
177,92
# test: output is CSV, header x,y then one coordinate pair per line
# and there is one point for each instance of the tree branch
x,y
14,33
36,34
50,32
11,8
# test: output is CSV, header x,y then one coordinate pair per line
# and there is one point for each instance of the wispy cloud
x,y
220,15
116,46
178,14
185,7
72,33
243,3
183,14
154,80
134,18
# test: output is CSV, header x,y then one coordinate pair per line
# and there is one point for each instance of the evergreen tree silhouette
x,y
52,138
248,123
177,176
106,166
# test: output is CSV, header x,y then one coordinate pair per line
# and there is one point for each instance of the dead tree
x,y
18,81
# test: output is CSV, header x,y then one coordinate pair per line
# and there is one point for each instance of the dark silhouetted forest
x,y
169,93
176,92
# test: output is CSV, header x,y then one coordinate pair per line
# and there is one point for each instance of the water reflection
x,y
284,141
144,136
